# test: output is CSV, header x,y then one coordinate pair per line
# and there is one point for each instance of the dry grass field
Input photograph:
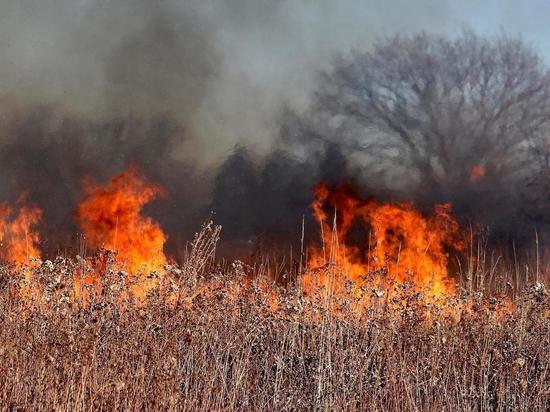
x,y
227,338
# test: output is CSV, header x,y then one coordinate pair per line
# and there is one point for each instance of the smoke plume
x,y
206,98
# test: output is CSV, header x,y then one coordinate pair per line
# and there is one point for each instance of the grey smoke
x,y
91,86
48,152
222,68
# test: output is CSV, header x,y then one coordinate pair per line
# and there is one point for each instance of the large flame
x,y
18,235
111,218
394,241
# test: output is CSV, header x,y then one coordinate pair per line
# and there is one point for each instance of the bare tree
x,y
449,110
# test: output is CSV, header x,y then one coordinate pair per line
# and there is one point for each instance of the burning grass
x,y
226,337
371,322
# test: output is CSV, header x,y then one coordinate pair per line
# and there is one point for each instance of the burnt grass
x,y
232,340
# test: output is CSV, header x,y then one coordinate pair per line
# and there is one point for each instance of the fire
x,y
398,243
111,218
477,173
18,235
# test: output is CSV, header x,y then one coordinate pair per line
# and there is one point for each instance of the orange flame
x,y
477,173
398,242
111,217
18,234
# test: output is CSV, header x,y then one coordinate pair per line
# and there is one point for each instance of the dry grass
x,y
233,340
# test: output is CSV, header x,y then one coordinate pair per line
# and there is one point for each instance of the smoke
x,y
201,95
48,152
265,200
220,68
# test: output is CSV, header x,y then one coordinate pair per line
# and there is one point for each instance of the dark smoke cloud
x,y
267,198
91,86
264,201
221,68
48,152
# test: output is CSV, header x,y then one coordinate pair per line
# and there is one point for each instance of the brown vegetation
x,y
225,337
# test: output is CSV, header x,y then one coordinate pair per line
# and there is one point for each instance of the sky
x,y
223,68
